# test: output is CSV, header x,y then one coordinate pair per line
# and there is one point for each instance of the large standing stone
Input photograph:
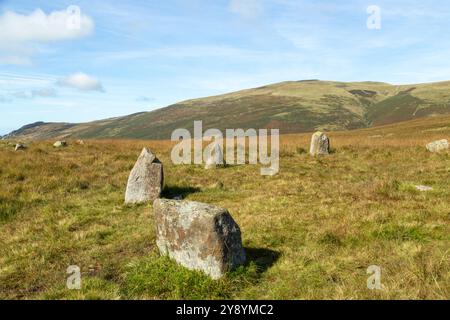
x,y
320,144
198,236
146,179
438,146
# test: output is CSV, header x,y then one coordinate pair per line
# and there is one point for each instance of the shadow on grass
x,y
170,192
262,258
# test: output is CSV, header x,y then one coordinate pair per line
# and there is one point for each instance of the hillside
x,y
294,107
310,232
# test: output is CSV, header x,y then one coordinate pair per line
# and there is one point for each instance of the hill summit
x,y
293,107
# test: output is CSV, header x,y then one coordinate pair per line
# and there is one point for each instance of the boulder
x,y
198,236
19,147
438,146
424,188
60,144
146,180
320,144
215,159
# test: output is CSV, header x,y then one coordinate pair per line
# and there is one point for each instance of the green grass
x,y
310,233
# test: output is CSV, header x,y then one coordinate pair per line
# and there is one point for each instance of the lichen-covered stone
x,y
146,180
438,146
198,236
320,144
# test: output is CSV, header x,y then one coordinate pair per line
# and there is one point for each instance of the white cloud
x,y
41,27
82,82
20,33
248,9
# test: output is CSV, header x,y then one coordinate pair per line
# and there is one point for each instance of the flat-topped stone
x,y
198,236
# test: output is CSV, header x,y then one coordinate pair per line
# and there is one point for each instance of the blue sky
x,y
133,56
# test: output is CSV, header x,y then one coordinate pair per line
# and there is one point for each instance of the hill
x,y
293,107
310,232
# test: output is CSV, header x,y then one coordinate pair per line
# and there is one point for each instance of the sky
x,y
77,61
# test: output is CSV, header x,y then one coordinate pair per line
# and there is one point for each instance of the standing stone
x,y
438,146
19,147
146,180
215,159
320,144
198,236
60,144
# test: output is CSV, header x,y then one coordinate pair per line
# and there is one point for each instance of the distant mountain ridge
x,y
293,107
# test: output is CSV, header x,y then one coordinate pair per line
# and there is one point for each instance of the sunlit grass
x,y
310,233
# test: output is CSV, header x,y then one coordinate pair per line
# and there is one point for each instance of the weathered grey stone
x,y
146,180
60,144
19,147
198,236
320,144
215,159
438,146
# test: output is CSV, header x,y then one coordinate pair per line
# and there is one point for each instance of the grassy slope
x,y
310,232
293,107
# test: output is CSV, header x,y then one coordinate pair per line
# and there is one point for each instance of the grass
x,y
310,233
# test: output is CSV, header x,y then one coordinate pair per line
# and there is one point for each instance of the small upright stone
x,y
320,144
438,146
146,180
60,144
215,159
198,236
19,147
